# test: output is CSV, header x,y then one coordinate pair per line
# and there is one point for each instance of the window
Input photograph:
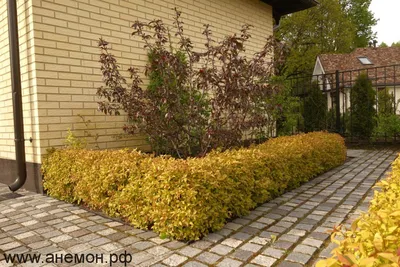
x,y
365,61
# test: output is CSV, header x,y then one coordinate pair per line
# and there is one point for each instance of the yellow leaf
x,y
367,261
378,242
395,214
389,256
343,259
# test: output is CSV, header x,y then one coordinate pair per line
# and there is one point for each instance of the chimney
x,y
375,42
370,44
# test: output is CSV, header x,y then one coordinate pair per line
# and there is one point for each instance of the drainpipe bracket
x,y
23,140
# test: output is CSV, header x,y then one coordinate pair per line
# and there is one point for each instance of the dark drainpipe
x,y
16,96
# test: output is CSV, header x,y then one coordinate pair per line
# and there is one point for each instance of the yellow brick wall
x,y
66,54
29,97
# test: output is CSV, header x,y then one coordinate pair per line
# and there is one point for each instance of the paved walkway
x,y
298,220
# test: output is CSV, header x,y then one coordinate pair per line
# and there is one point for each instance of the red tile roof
x,y
384,70
379,56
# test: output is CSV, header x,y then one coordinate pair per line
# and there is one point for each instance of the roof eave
x,y
284,7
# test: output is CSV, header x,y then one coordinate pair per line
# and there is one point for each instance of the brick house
x,y
382,65
60,69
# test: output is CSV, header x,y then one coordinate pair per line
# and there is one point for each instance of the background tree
x,y
362,107
397,44
331,27
383,44
357,11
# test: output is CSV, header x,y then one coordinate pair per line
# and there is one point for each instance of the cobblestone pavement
x,y
298,220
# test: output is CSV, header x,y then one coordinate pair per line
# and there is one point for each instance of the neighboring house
x,y
60,70
382,65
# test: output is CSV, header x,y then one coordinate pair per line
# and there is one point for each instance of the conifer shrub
x,y
315,109
388,123
363,113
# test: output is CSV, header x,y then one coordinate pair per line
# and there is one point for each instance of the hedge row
x,y
186,199
374,238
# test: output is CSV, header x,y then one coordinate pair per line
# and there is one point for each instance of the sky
x,y
388,13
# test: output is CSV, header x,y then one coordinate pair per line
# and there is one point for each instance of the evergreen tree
x,y
315,109
363,113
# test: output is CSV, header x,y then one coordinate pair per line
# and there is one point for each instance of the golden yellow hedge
x,y
186,199
374,238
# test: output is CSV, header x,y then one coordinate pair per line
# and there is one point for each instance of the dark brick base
x,y
8,174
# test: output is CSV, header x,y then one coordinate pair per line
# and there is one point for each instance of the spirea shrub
x,y
374,238
186,199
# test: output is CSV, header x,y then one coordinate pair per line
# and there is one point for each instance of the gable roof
x,y
379,56
384,70
284,7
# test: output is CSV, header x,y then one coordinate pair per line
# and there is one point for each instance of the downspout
x,y
16,96
277,19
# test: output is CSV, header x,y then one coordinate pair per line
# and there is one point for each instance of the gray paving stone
x,y
289,264
264,260
142,245
277,229
189,251
305,249
174,260
158,250
241,255
9,246
221,249
147,235
267,221
251,247
298,257
194,264
297,232
213,237
99,241
231,242
273,252
258,225
229,263
305,227
282,244
313,242
319,236
140,257
233,226
79,233
156,240
249,230
240,236
284,224
207,257
202,244
260,240
174,244
60,238
129,240
290,238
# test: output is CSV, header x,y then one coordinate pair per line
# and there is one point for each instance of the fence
x,y
338,88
